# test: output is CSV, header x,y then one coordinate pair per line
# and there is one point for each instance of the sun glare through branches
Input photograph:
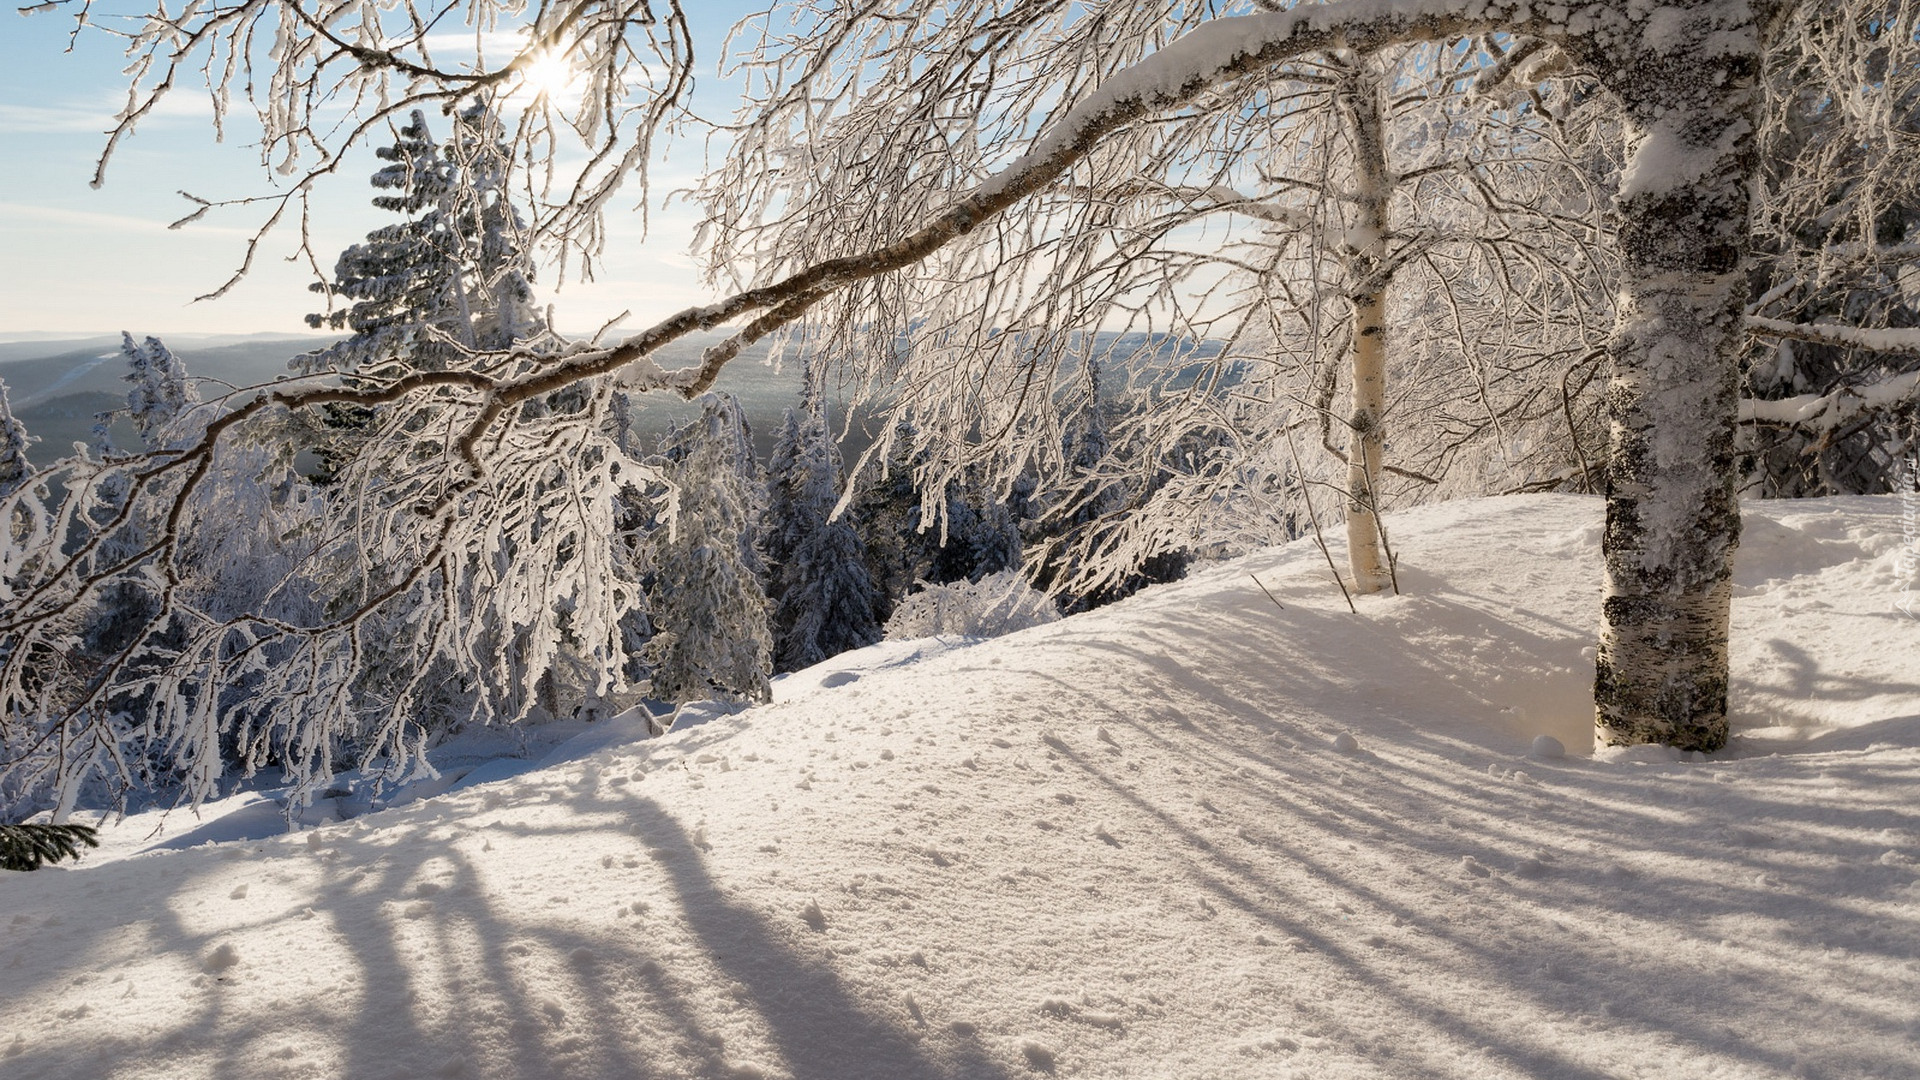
x,y
548,76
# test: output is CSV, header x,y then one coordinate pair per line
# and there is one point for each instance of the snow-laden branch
x,y
1225,49
1902,342
1831,411
1213,54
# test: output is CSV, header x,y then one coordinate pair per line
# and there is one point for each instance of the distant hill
x,y
58,384
36,372
72,406
60,422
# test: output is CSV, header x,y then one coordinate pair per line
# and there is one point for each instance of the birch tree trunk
x,y
1672,518
1367,280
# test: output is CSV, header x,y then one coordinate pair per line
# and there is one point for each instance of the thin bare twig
x,y
1269,592
1307,497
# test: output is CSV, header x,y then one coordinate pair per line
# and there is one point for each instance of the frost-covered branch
x,y
1826,413
1897,342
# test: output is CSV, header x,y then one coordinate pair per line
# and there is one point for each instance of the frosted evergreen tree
x,y
14,440
980,533
825,600
158,401
783,526
426,293
402,276
708,600
1095,492
964,532
487,229
453,277
161,393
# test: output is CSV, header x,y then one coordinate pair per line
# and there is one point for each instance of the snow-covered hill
x,y
1192,835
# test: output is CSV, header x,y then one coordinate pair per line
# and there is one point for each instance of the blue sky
x,y
75,258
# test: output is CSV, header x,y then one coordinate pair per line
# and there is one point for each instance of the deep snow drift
x,y
1128,844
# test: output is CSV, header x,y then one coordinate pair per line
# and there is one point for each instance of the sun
x,y
547,74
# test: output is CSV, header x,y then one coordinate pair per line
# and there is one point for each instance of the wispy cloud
x,y
495,46
94,114
45,119
114,223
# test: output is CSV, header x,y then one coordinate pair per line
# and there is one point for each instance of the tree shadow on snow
x,y
404,961
1531,890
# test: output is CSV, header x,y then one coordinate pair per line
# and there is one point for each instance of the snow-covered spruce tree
x,y
824,599
161,395
405,277
965,536
958,530
397,289
450,287
1090,496
29,847
490,234
451,279
14,440
856,202
437,290
22,517
708,600
159,398
885,502
633,551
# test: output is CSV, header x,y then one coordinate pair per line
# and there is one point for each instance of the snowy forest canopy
x,y
1114,286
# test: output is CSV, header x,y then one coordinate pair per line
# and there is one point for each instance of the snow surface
x,y
1190,835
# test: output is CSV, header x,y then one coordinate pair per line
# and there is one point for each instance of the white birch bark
x,y
1367,281
1686,81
